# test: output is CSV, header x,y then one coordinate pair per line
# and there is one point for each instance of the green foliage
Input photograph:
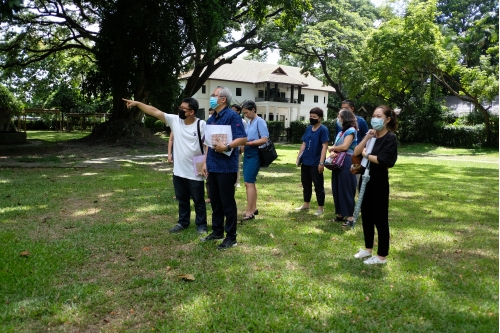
x,y
65,98
158,126
331,125
297,128
275,128
420,122
8,103
149,122
461,136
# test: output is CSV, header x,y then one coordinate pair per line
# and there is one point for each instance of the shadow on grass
x,y
103,239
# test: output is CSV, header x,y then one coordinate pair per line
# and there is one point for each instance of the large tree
x,y
140,48
329,41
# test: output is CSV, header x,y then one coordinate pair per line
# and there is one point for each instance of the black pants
x,y
375,213
223,203
186,189
309,175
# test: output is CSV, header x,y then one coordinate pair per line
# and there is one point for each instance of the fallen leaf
x,y
168,268
146,248
187,277
132,311
25,254
271,235
367,298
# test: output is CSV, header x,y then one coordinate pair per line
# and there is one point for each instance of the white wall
x,y
249,92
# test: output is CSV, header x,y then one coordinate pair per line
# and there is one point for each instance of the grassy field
x,y
88,250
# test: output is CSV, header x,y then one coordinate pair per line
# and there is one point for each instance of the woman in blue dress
x,y
343,181
257,135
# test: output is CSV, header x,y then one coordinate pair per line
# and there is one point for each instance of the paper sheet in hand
x,y
369,148
218,134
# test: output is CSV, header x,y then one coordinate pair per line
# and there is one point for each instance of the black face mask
x,y
182,114
313,121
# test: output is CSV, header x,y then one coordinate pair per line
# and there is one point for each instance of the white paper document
x,y
369,148
215,134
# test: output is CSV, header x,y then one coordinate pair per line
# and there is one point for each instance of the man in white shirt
x,y
188,131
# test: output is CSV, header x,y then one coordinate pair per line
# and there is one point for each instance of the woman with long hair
x,y
257,135
375,205
343,181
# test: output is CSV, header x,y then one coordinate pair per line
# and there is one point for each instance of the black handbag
x,y
267,154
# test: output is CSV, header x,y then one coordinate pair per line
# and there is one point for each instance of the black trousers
x,y
223,203
309,175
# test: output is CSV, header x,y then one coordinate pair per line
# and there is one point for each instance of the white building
x,y
281,93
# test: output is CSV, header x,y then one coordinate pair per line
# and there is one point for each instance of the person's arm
x,y
301,150
321,166
220,147
152,111
169,148
345,145
359,149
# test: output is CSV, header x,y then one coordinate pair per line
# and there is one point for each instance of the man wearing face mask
x,y
185,128
362,125
221,170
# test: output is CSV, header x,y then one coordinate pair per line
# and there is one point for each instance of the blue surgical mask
x,y
213,102
377,123
339,122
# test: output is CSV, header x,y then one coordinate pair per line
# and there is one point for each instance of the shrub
x,y
461,136
420,121
297,129
331,125
275,129
149,122
158,126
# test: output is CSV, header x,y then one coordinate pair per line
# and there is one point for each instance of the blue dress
x,y
256,129
343,181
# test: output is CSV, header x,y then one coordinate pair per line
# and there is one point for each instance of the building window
x,y
315,99
261,93
301,97
203,89
324,99
238,91
302,118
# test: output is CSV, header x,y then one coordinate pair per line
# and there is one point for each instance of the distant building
x,y
281,93
461,108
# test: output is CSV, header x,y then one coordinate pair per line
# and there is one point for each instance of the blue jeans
x,y
223,203
186,189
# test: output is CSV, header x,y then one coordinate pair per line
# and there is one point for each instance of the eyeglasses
x,y
214,95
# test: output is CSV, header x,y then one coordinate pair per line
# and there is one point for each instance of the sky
x,y
274,56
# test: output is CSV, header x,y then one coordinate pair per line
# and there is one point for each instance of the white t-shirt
x,y
186,145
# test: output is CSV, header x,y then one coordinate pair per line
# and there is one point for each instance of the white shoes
x,y
375,260
362,254
302,208
319,212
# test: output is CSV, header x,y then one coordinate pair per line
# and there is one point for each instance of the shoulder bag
x,y
267,152
199,160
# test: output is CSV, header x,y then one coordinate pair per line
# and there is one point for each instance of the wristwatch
x,y
228,147
321,163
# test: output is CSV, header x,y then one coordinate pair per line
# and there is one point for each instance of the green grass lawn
x,y
53,136
101,258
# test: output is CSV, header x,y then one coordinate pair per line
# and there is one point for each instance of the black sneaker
x,y
212,236
226,244
177,228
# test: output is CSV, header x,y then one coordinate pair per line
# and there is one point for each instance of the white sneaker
x,y
362,254
302,208
319,212
375,260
